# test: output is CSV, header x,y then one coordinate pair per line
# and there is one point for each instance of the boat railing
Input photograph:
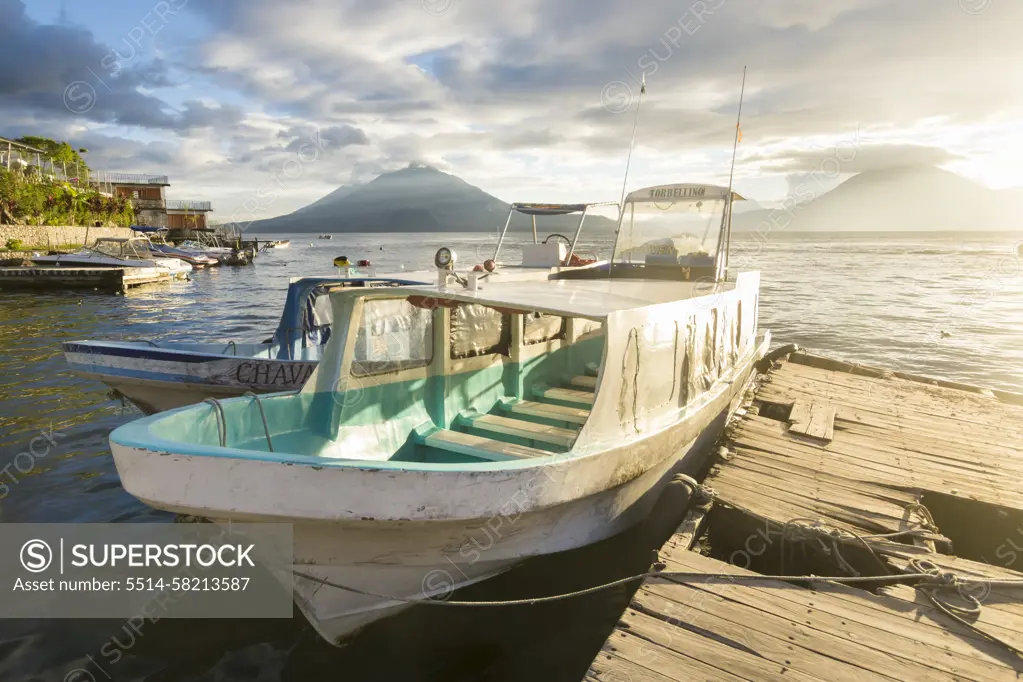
x,y
262,415
188,205
218,410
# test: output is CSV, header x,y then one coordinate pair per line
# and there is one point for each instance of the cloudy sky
x,y
265,105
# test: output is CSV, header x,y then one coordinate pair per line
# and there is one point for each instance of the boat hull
x,y
156,380
75,260
411,534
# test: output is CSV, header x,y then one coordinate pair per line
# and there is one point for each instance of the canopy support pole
x,y
534,229
505,231
575,239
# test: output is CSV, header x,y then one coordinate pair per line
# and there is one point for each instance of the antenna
x,y
628,162
725,237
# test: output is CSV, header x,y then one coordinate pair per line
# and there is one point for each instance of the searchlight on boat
x,y
445,258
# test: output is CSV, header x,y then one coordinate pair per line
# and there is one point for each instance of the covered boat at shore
x,y
117,252
161,376
557,409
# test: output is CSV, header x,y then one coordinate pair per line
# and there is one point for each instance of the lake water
x,y
935,304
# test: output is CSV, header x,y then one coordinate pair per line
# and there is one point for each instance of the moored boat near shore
x,y
161,376
117,252
559,406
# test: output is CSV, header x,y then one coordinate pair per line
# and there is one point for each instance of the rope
x,y
932,581
221,420
661,577
939,581
835,535
262,414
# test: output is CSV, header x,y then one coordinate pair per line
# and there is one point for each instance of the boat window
x,y
478,330
539,327
392,335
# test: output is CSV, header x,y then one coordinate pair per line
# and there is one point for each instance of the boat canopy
x,y
147,230
680,192
680,225
548,209
534,210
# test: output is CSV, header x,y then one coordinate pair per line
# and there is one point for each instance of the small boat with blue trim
x,y
455,429
161,376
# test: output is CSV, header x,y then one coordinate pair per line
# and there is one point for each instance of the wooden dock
x,y
833,469
107,280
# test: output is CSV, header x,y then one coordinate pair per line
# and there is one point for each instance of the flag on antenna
x,y
738,132
642,87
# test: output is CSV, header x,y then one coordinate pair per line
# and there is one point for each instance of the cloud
x,y
508,95
60,71
852,156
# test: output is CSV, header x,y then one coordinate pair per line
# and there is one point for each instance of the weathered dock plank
x,y
108,280
848,482
775,630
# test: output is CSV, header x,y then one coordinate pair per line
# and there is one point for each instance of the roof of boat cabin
x,y
685,192
594,299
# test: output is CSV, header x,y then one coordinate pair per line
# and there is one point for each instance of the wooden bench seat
x,y
584,382
478,446
571,415
565,395
520,429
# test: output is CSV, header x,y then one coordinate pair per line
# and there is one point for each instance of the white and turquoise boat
x,y
453,430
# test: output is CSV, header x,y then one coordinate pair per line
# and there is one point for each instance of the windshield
x,y
115,249
683,232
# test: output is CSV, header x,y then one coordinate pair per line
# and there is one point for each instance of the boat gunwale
x,y
138,435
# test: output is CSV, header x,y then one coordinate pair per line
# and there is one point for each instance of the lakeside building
x,y
152,207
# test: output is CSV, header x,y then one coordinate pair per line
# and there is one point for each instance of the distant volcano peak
x,y
421,165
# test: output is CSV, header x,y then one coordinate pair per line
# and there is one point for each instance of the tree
x,y
56,152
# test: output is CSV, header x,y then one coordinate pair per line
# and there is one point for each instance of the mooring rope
x,y
946,580
932,580
679,578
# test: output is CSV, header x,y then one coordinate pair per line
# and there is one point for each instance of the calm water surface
x,y
934,304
